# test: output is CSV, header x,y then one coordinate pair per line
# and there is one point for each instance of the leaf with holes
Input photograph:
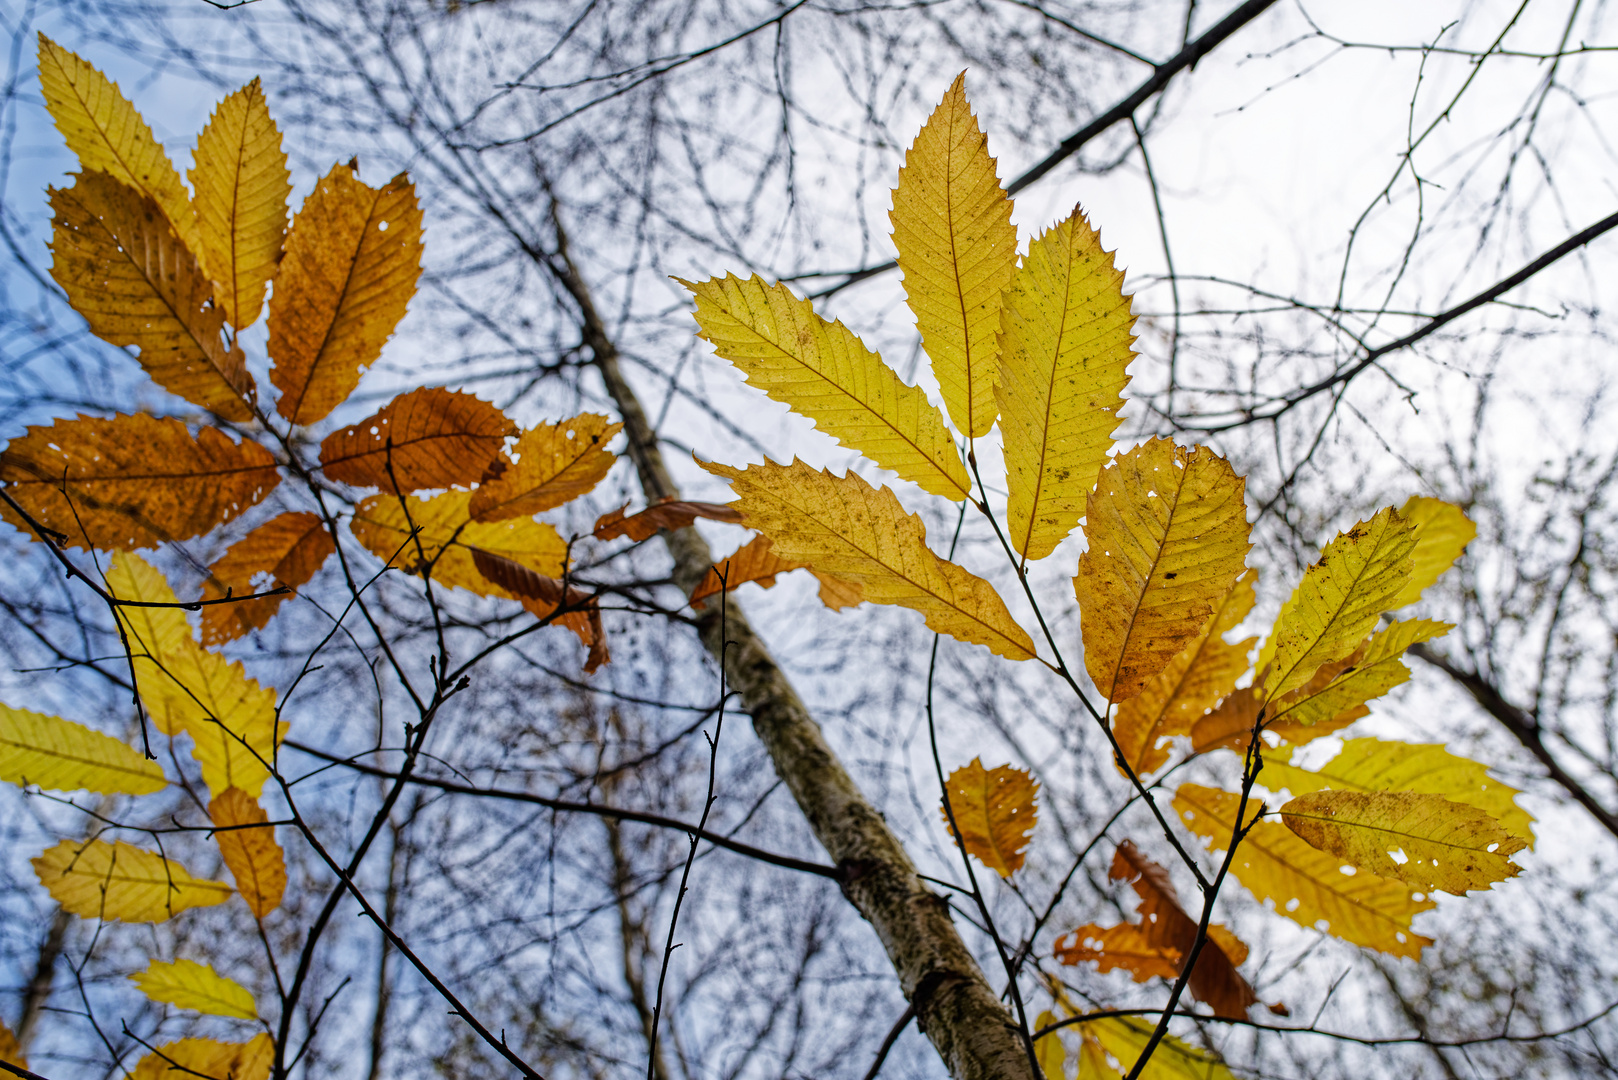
x,y
995,811
840,525
556,463
430,438
1167,529
353,256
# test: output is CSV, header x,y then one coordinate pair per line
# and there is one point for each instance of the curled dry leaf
x,y
429,438
995,811
132,481
288,548
1165,925
247,842
668,514
543,595
352,260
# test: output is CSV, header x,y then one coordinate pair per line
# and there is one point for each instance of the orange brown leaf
x,y
542,596
254,858
353,256
429,438
132,481
136,283
756,561
995,811
289,548
1123,946
670,514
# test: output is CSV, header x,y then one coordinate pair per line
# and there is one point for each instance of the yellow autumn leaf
x,y
97,880
1371,671
1424,840
288,549
230,718
136,283
822,370
1201,674
1338,602
1167,529
958,252
447,536
209,1059
58,754
107,134
1064,345
1125,1037
255,860
1442,533
132,481
842,526
195,986
1048,1050
10,1049
1308,886
556,463
1093,1062
1230,725
995,811
1384,765
242,183
353,256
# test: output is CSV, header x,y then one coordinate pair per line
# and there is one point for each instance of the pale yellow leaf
x,y
1049,1051
352,260
823,371
844,527
242,183
230,718
97,880
447,536
1442,533
1383,765
1125,1038
995,811
1064,347
209,1059
1167,529
132,278
255,860
1308,886
958,252
1424,840
58,754
195,986
1338,602
106,133
556,463
1198,677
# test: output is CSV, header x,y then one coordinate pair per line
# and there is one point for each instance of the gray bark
x,y
955,1006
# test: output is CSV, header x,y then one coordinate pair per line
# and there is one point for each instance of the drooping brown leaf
x,y
1123,946
429,438
242,186
1165,924
543,595
995,812
352,260
556,463
254,858
288,548
755,561
669,514
126,271
132,481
